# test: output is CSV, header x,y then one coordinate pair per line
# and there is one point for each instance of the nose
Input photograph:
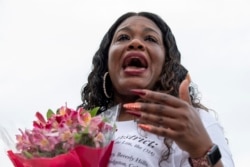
x,y
136,44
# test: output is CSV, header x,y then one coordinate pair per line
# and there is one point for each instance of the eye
x,y
123,37
151,39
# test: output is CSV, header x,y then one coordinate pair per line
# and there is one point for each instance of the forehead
x,y
138,22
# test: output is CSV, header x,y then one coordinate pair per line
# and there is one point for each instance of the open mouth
x,y
135,62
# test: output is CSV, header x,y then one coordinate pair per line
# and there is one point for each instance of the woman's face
x,y
136,55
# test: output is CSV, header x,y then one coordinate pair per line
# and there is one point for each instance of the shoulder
x,y
208,117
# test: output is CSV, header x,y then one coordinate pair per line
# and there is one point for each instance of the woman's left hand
x,y
172,117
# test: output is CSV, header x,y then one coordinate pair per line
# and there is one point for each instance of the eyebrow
x,y
146,29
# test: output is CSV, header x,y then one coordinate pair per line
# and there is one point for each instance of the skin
x,y
135,36
177,117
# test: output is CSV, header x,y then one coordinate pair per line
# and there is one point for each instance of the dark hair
x,y
173,73
92,93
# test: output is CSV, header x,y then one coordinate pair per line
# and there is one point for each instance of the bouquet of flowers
x,y
66,138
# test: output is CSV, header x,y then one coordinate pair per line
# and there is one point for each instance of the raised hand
x,y
172,117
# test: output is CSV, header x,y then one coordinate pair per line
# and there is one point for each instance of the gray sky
x,y
46,47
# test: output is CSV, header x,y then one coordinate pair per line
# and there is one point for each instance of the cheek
x,y
159,65
160,60
114,56
109,61
112,59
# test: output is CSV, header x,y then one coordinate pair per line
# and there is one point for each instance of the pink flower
x,y
63,131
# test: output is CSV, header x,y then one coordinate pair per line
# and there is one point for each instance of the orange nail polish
x,y
145,127
132,106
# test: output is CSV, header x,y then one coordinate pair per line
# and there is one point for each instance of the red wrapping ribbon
x,y
81,156
94,157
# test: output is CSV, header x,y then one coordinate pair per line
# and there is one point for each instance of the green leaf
x,y
86,130
94,111
77,137
50,113
105,119
27,154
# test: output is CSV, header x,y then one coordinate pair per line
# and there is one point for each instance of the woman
x,y
161,122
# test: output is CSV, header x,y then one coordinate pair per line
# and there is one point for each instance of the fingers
x,y
160,121
157,97
163,98
158,117
152,108
160,131
188,78
164,115
184,89
162,104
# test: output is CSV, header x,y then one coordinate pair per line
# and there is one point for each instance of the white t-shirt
x,y
134,147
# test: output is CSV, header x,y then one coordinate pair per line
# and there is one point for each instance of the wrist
x,y
211,157
201,151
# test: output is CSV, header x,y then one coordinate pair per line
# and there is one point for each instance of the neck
x,y
124,116
118,98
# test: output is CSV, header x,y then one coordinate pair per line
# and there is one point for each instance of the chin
x,y
126,89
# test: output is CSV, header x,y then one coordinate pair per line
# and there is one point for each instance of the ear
x,y
184,89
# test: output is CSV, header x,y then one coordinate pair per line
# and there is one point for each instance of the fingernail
x,y
135,113
132,106
145,127
188,78
138,92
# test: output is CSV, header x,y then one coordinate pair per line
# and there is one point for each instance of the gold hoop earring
x,y
104,85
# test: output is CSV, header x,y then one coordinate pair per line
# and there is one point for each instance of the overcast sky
x,y
46,48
